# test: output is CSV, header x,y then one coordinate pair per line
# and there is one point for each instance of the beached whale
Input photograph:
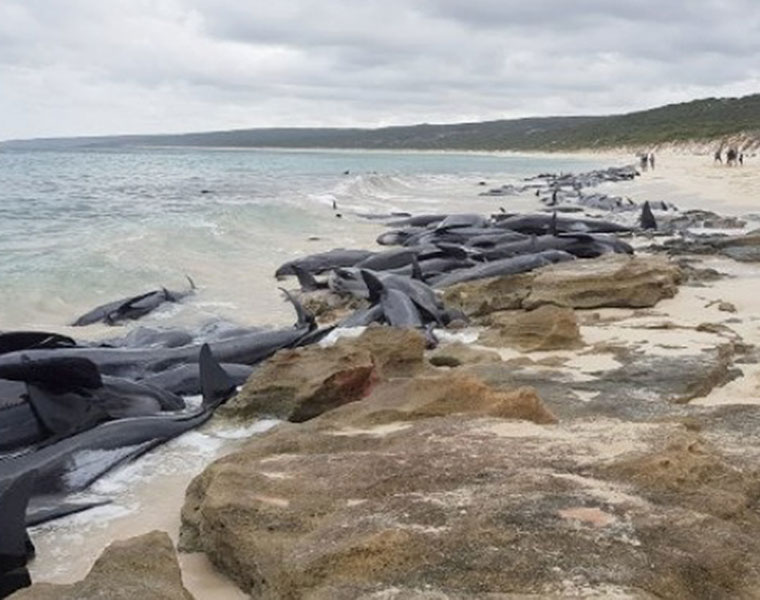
x,y
506,266
133,307
417,221
144,337
11,341
538,224
323,261
581,245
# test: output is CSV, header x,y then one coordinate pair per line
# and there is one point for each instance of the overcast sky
x,y
82,67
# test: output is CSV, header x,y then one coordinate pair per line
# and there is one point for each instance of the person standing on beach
x,y
741,158
651,160
718,157
731,157
644,161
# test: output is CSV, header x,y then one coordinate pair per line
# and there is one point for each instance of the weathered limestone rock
x,y
635,386
300,384
689,471
548,327
461,507
396,352
484,296
458,353
608,281
451,393
297,385
135,569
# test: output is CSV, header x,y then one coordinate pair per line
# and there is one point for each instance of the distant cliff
x,y
711,121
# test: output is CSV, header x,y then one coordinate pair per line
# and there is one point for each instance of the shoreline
x,y
683,309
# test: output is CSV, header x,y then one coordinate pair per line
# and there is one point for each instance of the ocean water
x,y
79,228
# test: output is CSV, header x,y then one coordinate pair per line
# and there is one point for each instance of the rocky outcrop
x,y
612,281
297,385
463,507
396,352
422,397
141,567
629,384
609,281
548,327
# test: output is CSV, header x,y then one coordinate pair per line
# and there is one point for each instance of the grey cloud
x,y
87,66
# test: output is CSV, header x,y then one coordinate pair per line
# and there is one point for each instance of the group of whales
x,y
437,251
70,412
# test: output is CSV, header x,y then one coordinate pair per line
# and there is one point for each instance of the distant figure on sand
x,y
731,157
651,160
644,161
741,158
718,157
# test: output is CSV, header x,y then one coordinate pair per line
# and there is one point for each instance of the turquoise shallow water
x,y
79,228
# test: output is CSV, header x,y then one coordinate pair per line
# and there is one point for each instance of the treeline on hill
x,y
699,120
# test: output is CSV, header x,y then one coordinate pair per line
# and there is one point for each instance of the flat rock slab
x,y
637,386
135,569
548,327
614,281
479,507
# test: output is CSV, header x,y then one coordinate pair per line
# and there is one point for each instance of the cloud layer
x,y
138,66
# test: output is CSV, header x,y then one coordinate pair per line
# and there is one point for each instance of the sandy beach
x,y
671,329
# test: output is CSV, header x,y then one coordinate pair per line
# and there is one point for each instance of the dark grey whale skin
x,y
71,464
138,363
